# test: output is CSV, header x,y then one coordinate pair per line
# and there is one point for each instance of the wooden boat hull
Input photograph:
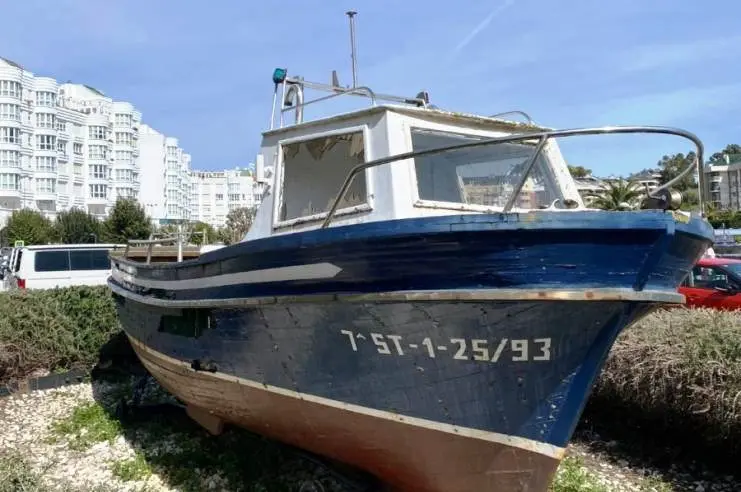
x,y
442,354
409,457
422,416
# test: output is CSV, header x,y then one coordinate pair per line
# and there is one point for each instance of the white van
x,y
60,265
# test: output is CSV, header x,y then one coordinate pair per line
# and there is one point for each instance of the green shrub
x,y
54,330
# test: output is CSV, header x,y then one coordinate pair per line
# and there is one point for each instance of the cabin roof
x,y
434,114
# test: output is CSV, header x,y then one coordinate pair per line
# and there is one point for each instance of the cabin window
x,y
484,175
314,170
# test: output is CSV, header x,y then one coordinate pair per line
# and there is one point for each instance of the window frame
x,y
731,280
417,202
368,175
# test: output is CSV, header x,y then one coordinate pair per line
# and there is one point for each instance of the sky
x,y
201,71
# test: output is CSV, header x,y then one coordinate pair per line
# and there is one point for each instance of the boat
x,y
422,295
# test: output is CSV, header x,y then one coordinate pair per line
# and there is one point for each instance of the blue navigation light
x,y
279,75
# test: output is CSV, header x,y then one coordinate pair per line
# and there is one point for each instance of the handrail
x,y
150,243
298,107
294,86
542,138
516,111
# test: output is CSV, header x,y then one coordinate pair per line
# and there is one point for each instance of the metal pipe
x,y
180,243
353,92
516,111
296,92
517,138
353,48
525,174
272,114
330,88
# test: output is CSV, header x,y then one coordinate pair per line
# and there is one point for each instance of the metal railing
x,y
150,244
516,111
542,139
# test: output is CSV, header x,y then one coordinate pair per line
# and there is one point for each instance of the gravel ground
x,y
27,428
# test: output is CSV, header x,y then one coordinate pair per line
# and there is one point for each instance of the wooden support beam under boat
x,y
206,419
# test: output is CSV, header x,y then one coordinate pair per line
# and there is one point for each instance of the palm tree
x,y
618,195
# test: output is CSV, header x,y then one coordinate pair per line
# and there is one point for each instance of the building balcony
x,y
10,145
45,196
5,193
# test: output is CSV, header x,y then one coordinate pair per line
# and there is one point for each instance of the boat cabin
x,y
311,160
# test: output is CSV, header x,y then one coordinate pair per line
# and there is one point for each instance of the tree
x,y
618,195
201,227
730,150
672,165
579,172
29,226
238,222
127,220
77,226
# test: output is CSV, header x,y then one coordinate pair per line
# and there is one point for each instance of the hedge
x,y
53,330
678,368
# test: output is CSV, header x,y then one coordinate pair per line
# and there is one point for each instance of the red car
x,y
714,283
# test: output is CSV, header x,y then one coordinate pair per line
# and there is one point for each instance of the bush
x,y
679,371
54,330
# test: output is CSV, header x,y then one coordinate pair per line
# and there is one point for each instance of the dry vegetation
x,y
679,371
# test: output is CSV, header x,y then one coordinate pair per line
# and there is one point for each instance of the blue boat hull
x,y
438,357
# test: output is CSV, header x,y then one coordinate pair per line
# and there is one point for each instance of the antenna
x,y
351,15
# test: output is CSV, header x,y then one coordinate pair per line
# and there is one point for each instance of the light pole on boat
x,y
351,15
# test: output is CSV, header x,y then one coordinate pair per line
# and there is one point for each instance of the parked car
x,y
714,283
60,265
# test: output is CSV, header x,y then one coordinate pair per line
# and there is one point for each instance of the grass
x,y
89,424
572,476
16,475
132,469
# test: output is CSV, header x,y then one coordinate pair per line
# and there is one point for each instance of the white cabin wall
x,y
377,179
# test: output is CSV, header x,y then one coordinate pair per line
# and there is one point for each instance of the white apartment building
x,y
165,189
63,145
723,183
215,193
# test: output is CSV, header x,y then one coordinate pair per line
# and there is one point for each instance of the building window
x,y
234,197
62,146
96,151
46,142
10,88
313,171
45,120
46,98
46,185
10,112
77,148
123,119
124,175
98,191
97,132
10,158
98,171
61,125
46,164
219,197
10,182
125,157
123,138
10,135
